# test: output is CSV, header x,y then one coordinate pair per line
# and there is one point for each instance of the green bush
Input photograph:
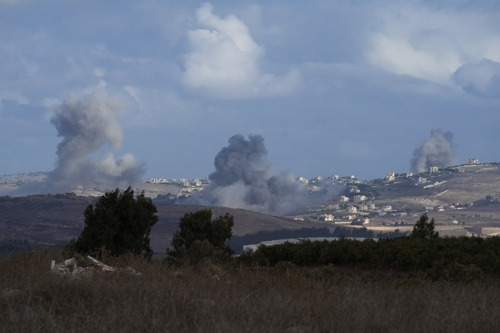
x,y
199,236
119,223
453,258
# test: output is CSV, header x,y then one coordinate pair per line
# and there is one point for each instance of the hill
x,y
463,200
59,218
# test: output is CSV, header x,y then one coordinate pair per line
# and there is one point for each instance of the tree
x,y
424,229
119,223
201,236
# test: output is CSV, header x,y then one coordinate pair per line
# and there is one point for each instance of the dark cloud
x,y
243,178
242,160
437,151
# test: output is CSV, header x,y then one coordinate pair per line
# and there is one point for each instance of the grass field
x,y
210,298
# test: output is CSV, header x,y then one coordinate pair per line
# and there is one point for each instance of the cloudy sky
x,y
333,86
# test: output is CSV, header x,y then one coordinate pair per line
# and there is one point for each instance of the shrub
x,y
199,236
118,223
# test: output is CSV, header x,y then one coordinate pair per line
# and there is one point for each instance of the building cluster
x,y
353,207
356,204
179,182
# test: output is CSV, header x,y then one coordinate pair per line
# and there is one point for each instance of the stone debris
x,y
80,266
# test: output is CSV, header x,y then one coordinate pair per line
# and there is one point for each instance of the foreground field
x,y
208,298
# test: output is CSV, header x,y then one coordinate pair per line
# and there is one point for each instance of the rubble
x,y
80,266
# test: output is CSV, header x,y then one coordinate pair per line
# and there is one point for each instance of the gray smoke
x,y
437,151
88,128
243,178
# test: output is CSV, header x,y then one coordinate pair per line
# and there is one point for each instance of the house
x,y
433,169
303,180
421,180
363,207
326,217
472,161
391,176
387,208
359,198
352,209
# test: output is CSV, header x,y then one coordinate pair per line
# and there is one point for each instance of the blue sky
x,y
344,87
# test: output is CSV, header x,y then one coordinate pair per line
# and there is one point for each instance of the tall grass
x,y
210,298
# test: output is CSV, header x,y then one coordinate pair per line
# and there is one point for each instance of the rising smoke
x,y
88,128
243,178
437,151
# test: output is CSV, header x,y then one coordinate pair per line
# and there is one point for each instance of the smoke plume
x,y
436,151
88,128
243,178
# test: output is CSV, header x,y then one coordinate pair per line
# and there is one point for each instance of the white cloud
x,y
482,79
224,61
431,44
13,95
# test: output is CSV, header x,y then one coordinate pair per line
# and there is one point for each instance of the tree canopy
x,y
424,229
199,235
118,223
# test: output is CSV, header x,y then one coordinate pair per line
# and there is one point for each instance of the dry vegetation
x,y
210,298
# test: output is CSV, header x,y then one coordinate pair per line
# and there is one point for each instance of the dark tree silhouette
x,y
201,236
424,229
119,223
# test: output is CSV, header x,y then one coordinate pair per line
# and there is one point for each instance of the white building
x,y
421,180
326,217
343,198
391,176
352,209
387,208
303,180
359,198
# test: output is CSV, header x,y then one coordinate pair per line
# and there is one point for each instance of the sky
x,y
157,88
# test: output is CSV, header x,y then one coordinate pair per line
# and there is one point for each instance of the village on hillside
x,y
463,199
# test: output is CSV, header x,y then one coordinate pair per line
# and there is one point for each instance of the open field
x,y
209,298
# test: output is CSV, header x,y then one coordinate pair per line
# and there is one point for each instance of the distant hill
x,y
463,199
462,185
59,218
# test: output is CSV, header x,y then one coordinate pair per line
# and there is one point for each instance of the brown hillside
x,y
59,218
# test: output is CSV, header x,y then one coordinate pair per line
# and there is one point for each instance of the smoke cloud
x,y
436,151
88,128
243,178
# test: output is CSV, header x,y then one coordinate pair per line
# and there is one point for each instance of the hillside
x,y
462,185
463,200
59,218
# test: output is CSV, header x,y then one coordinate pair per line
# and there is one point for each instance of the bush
x,y
119,223
199,236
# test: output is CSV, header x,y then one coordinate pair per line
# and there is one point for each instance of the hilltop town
x,y
463,199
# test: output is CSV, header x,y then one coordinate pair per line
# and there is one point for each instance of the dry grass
x,y
208,298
